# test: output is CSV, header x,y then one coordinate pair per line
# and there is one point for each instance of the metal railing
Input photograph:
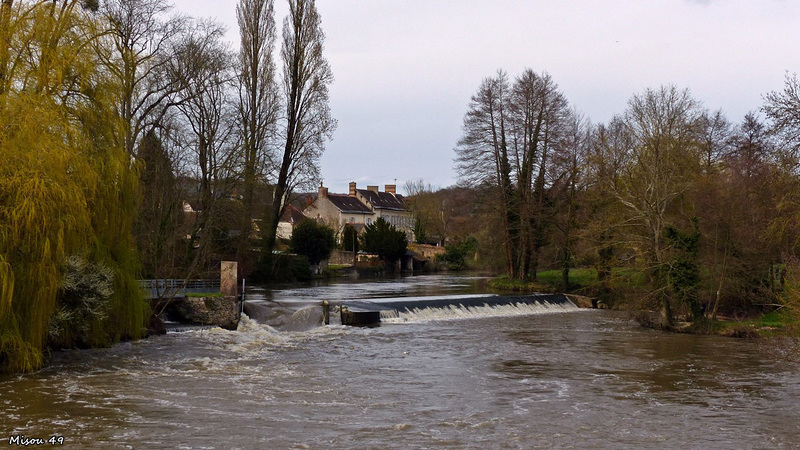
x,y
167,288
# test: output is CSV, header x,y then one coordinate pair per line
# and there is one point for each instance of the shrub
x,y
313,240
82,304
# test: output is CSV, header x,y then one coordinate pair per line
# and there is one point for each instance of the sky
x,y
405,69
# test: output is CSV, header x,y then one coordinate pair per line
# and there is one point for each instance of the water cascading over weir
x,y
372,312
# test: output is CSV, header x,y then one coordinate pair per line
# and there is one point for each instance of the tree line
x,y
113,114
702,211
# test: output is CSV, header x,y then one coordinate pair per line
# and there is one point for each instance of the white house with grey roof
x,y
361,207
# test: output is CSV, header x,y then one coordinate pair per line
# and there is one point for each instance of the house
x,y
290,218
387,205
361,207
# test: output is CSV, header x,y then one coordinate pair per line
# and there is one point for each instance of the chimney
x,y
352,189
391,188
323,192
372,188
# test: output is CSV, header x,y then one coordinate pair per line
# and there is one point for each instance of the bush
x,y
455,256
313,240
82,304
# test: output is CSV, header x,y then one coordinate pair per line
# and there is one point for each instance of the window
x,y
352,219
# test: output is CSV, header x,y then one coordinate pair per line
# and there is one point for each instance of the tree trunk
x,y
666,312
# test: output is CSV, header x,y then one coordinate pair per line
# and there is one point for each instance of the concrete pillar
x,y
228,278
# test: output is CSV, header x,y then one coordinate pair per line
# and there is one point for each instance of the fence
x,y
166,288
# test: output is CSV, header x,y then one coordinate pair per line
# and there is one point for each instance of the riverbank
x,y
624,289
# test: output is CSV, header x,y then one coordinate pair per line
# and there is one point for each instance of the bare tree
x,y
569,161
259,100
203,65
538,111
509,136
715,138
783,111
141,42
482,158
307,123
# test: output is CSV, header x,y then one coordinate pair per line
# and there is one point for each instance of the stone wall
x,y
219,311
428,251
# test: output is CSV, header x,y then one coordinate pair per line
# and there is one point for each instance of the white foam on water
x,y
427,297
456,312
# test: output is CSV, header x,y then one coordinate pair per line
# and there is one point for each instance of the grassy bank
x,y
625,288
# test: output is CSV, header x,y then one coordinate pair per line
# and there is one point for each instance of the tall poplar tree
x,y
259,99
307,122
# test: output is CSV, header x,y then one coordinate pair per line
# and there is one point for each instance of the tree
x,y
136,52
570,160
56,108
313,240
654,173
307,123
783,111
159,210
202,126
483,158
509,138
429,205
383,239
259,99
715,136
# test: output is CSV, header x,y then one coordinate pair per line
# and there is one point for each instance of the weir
x,y
396,310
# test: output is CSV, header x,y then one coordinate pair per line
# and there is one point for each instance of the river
x,y
568,379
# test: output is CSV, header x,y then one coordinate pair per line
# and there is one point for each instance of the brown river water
x,y
526,377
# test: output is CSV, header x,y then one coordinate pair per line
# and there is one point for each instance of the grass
x,y
204,294
580,279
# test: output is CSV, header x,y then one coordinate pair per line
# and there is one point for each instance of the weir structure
x,y
374,311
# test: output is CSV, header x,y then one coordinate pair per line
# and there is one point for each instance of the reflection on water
x,y
587,379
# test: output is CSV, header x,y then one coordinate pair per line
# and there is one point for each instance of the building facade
x,y
362,207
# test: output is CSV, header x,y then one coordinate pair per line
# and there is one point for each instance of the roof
x,y
292,215
383,200
348,204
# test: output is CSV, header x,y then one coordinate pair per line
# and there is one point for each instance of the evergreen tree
x,y
385,240
313,240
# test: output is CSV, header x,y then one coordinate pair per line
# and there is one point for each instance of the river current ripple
x,y
585,379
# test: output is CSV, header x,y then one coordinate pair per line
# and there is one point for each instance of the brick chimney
x,y
323,192
391,188
372,188
352,189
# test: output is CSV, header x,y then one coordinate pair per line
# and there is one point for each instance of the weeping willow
x,y
67,186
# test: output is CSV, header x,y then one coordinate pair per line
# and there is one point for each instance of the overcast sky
x,y
405,70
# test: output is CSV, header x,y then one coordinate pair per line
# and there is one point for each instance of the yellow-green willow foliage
x,y
66,186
